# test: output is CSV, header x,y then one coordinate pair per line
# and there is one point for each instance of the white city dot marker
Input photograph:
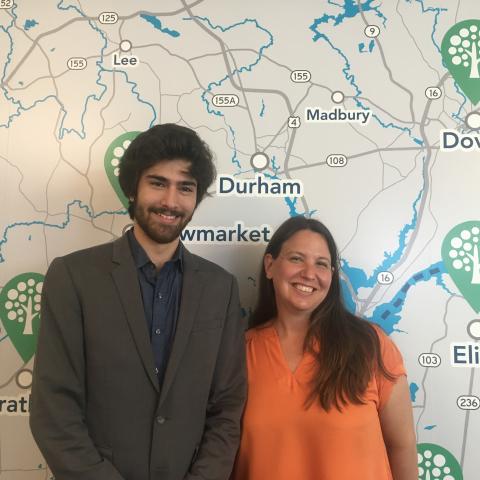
x,y
338,97
125,45
259,161
24,378
473,329
473,120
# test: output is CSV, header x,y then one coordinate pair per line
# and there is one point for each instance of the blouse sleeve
x,y
393,362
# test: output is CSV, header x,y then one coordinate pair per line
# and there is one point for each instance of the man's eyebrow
x,y
161,178
188,182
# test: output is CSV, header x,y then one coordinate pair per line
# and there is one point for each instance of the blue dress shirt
x,y
161,299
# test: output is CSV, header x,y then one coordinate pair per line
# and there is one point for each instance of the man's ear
x,y
268,264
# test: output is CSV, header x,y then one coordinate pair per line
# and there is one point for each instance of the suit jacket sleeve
x,y
57,416
220,440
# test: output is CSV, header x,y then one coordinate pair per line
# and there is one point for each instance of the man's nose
x,y
170,197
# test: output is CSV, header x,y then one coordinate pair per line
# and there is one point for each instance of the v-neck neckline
x,y
283,357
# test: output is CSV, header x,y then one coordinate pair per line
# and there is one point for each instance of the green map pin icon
x,y
461,54
461,256
436,462
112,161
20,311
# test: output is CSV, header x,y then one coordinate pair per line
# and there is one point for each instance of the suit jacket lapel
x,y
125,277
192,287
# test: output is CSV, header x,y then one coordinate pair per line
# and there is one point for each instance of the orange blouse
x,y
281,440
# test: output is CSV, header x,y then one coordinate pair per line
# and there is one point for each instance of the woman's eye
x,y
323,265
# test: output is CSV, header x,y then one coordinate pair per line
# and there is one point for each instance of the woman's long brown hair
x,y
346,348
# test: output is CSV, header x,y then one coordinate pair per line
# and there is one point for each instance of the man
x,y
139,372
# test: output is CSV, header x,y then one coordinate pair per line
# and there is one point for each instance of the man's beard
x,y
160,233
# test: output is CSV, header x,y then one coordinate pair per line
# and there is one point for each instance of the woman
x,y
328,397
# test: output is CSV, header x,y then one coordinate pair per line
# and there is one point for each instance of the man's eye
x,y
295,259
156,183
187,189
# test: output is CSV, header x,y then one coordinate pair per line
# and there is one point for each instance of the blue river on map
x,y
155,21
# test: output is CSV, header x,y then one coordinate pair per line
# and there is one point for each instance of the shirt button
x,y
160,420
158,331
156,371
160,296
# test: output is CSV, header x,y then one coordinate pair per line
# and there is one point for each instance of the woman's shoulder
x,y
259,333
391,355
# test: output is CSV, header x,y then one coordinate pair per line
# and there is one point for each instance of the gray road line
x,y
378,107
467,419
254,90
426,188
365,208
384,61
84,19
86,175
22,178
427,243
427,369
363,154
284,124
245,99
415,42
227,64
194,73
286,168
5,384
266,57
240,87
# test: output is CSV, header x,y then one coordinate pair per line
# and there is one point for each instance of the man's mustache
x,y
166,211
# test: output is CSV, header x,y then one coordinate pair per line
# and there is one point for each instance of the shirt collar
x,y
141,258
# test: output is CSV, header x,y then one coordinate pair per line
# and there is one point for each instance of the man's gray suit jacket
x,y
97,410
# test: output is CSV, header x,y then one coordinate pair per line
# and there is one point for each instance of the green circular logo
x,y
437,463
20,312
113,157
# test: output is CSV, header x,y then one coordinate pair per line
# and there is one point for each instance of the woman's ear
x,y
268,264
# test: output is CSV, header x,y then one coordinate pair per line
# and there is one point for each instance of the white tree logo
x,y
465,253
23,303
465,49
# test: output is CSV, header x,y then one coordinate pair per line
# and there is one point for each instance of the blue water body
x,y
245,68
387,315
430,427
413,392
418,140
347,297
361,47
350,10
235,159
60,226
358,277
436,11
156,22
101,70
292,206
29,24
273,163
262,111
